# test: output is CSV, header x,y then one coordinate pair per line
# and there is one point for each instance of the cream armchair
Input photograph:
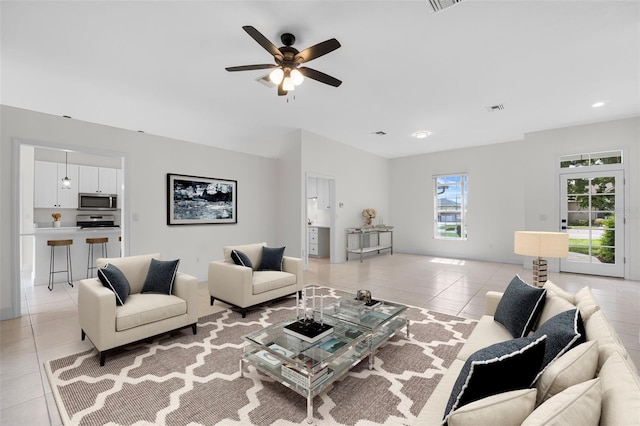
x,y
244,287
143,315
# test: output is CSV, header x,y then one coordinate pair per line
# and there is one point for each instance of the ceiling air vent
x,y
495,108
379,133
438,5
266,81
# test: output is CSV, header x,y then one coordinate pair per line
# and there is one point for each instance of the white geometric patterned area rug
x,y
182,379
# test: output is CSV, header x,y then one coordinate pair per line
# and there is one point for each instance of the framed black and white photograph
x,y
195,200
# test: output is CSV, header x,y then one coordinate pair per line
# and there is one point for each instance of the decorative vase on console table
x,y
368,215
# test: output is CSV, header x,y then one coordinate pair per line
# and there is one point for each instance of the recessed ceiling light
x,y
421,134
379,133
597,104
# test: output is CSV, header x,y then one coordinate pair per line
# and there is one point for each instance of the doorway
x,y
25,153
591,212
319,241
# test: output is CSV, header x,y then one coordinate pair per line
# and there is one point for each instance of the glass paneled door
x,y
592,206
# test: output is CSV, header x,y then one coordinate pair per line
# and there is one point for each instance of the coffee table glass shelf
x,y
381,321
310,368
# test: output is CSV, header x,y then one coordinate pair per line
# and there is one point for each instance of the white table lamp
x,y
541,244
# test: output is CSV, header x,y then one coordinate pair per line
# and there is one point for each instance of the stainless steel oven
x,y
97,201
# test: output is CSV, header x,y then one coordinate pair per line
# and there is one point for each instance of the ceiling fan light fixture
x,y
276,76
297,77
288,85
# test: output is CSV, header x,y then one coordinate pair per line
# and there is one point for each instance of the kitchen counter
x,y
79,250
72,230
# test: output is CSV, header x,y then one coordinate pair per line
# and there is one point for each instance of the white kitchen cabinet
x,y
318,241
48,190
324,194
98,179
320,189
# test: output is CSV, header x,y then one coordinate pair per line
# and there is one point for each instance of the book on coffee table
x,y
372,303
268,358
309,331
301,379
279,349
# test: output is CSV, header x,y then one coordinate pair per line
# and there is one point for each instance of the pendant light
x,y
66,182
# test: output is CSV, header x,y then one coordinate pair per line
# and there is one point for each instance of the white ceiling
x,y
158,66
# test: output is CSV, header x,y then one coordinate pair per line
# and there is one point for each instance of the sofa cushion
x,y
599,328
520,307
270,280
552,307
505,409
253,252
586,303
134,268
565,331
576,366
161,276
487,332
577,405
501,367
560,292
146,308
113,278
271,259
620,392
239,258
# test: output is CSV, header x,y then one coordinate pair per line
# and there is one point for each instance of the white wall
x,y
541,185
289,197
361,181
512,186
151,158
495,203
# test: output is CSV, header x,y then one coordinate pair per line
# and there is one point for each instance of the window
x,y
591,159
450,200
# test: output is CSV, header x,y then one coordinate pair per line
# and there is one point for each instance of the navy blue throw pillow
x,y
271,259
113,278
520,307
239,258
161,275
501,367
564,332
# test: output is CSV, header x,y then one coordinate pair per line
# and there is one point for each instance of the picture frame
x,y
197,200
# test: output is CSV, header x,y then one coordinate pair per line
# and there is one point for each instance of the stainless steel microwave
x,y
97,201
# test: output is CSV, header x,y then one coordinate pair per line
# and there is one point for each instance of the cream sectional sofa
x,y
608,395
245,287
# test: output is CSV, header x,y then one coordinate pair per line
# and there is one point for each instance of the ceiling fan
x,y
287,72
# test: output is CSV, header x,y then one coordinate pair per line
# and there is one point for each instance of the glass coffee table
x,y
310,368
381,321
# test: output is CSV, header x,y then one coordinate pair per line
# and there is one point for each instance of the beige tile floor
x,y
48,328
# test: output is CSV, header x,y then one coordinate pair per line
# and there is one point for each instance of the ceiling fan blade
x,y
317,50
281,91
263,41
251,67
320,76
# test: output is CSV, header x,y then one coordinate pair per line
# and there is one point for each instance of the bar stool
x,y
52,261
90,261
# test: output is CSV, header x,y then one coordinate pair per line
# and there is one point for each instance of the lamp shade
x,y
541,244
